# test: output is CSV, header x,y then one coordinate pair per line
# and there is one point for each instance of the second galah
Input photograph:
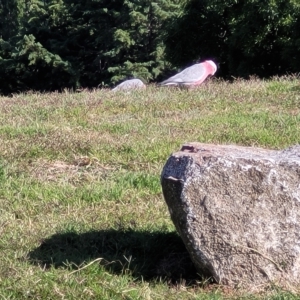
x,y
193,75
131,84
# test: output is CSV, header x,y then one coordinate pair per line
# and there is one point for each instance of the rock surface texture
x,y
237,210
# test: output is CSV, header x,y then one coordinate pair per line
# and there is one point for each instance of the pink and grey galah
x,y
193,75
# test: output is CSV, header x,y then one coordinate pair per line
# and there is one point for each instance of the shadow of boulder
x,y
148,255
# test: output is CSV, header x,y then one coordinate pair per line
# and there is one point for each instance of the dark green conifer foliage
x,y
63,43
24,62
11,13
138,46
56,44
247,37
261,31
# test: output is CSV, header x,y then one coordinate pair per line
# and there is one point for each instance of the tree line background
x,y
54,44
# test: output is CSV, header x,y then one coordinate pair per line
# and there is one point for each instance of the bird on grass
x,y
131,84
192,76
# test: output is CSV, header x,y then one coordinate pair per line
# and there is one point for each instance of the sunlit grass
x,y
82,214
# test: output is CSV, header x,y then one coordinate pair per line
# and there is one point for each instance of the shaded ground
x,y
148,255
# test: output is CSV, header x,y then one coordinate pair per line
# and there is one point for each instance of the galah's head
x,y
213,65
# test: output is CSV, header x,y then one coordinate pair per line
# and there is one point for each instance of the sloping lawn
x,y
81,210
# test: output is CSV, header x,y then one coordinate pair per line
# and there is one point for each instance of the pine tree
x,y
85,43
11,13
25,63
261,34
247,37
139,43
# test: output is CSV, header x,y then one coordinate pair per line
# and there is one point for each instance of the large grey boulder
x,y
237,210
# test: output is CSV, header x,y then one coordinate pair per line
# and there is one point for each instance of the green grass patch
x,y
82,213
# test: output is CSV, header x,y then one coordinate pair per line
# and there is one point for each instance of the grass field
x,y
81,210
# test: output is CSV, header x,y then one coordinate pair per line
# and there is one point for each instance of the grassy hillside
x,y
81,210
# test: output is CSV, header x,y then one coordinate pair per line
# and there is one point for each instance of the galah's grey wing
x,y
189,75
